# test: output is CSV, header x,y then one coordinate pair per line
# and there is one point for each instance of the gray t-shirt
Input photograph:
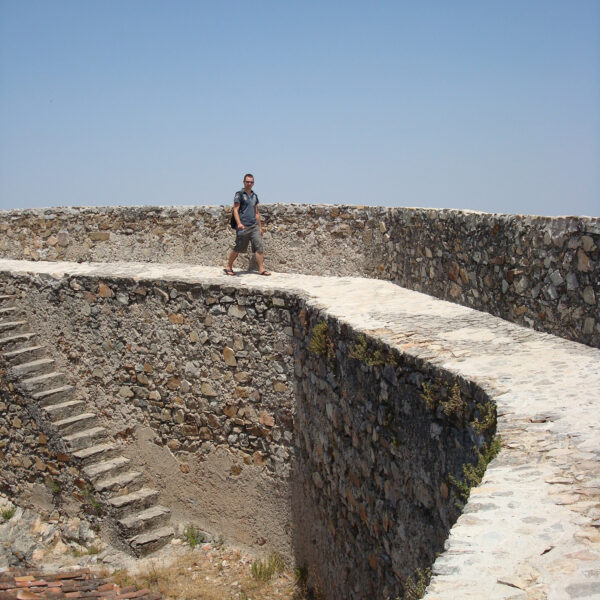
x,y
247,204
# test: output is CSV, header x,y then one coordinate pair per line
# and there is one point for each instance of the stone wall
x,y
319,240
30,460
379,438
542,272
262,419
193,370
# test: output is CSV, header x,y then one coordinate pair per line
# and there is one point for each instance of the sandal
x,y
266,273
229,271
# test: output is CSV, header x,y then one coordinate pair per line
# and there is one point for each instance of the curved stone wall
x,y
392,394
261,419
380,436
541,272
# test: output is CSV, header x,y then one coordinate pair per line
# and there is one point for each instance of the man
x,y
249,226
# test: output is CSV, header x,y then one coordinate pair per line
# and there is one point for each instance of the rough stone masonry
x,y
540,272
388,394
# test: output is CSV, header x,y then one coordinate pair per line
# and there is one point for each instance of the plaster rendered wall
x,y
254,427
542,272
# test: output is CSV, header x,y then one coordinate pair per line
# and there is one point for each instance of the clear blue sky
x,y
485,105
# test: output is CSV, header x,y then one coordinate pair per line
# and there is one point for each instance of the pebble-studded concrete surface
x,y
532,528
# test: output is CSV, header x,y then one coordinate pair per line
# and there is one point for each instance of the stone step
x,y
38,366
9,310
54,395
92,454
104,467
84,439
13,327
41,382
15,341
150,541
75,423
26,354
131,480
133,502
152,517
64,409
6,297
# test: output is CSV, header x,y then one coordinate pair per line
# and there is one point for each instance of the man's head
x,y
248,181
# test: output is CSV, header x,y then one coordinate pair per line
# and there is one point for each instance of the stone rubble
x,y
30,537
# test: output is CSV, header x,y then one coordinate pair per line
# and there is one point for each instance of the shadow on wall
x,y
386,449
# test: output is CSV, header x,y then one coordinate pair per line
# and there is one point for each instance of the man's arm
x,y
236,215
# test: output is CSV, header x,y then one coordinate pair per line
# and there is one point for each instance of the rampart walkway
x,y
532,528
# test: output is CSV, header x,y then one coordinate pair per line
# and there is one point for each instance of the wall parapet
x,y
540,272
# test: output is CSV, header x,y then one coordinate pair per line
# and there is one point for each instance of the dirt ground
x,y
209,572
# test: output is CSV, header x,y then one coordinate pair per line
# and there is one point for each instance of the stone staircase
x,y
140,521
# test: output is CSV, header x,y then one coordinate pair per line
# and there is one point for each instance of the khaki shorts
x,y
248,235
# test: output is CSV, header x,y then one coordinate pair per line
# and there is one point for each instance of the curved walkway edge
x,y
532,528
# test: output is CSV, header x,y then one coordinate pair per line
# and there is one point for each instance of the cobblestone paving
x,y
532,528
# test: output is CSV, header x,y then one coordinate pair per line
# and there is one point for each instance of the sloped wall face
x,y
540,272
381,442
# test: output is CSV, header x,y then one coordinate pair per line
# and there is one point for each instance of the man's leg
x,y
260,257
257,248
232,258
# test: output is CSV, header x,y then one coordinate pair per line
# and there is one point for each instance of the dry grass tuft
x,y
263,570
